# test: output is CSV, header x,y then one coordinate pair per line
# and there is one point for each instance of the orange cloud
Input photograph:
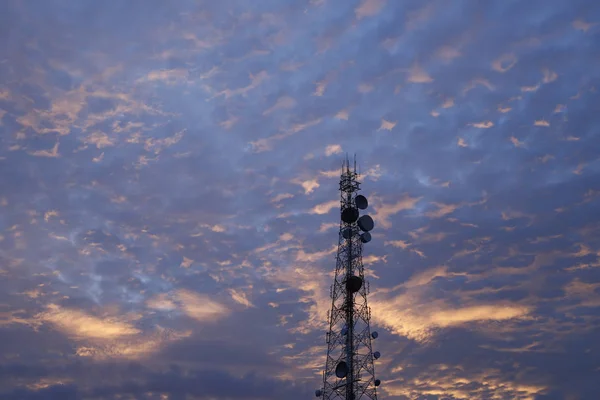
x,y
418,75
385,211
504,63
482,125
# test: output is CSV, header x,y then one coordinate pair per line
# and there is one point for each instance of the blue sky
x,y
169,205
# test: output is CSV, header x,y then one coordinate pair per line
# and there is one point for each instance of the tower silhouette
x,y
349,369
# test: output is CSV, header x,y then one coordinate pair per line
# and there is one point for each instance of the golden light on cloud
x,y
286,237
504,63
335,173
459,316
425,277
131,347
549,76
302,256
412,316
333,149
281,196
478,82
582,25
53,153
418,75
309,185
186,263
461,143
385,211
533,88
372,259
329,226
324,208
50,214
79,324
169,76
100,140
161,302
320,89
342,115
482,125
397,243
387,125
448,103
541,122
240,298
200,306
516,142
442,209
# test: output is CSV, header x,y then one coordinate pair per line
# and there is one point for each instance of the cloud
x,y
200,307
80,324
504,63
369,8
387,125
171,208
418,75
333,149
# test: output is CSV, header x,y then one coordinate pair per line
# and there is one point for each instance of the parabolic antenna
x,y
341,370
361,202
365,223
318,393
374,335
353,284
350,215
377,355
347,233
344,330
377,382
365,237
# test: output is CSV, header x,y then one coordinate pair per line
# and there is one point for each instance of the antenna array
x,y
349,371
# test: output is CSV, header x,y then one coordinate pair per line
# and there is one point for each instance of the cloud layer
x,y
168,202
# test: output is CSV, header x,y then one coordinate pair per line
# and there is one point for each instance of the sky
x,y
169,205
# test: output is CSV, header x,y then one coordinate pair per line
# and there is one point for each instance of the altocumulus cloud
x,y
168,176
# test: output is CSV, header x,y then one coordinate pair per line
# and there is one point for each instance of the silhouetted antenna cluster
x,y
349,370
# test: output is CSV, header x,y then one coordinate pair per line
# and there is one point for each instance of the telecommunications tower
x,y
349,371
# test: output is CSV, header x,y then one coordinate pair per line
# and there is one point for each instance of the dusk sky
x,y
169,205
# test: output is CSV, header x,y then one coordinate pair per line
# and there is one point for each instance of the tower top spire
x,y
347,167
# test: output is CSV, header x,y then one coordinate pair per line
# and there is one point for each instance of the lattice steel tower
x,y
349,371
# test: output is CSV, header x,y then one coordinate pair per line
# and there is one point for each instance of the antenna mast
x,y
349,371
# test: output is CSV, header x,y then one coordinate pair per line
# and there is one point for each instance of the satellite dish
x,y
377,382
374,335
349,215
318,393
365,237
353,284
361,202
341,370
344,331
347,233
377,355
365,223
